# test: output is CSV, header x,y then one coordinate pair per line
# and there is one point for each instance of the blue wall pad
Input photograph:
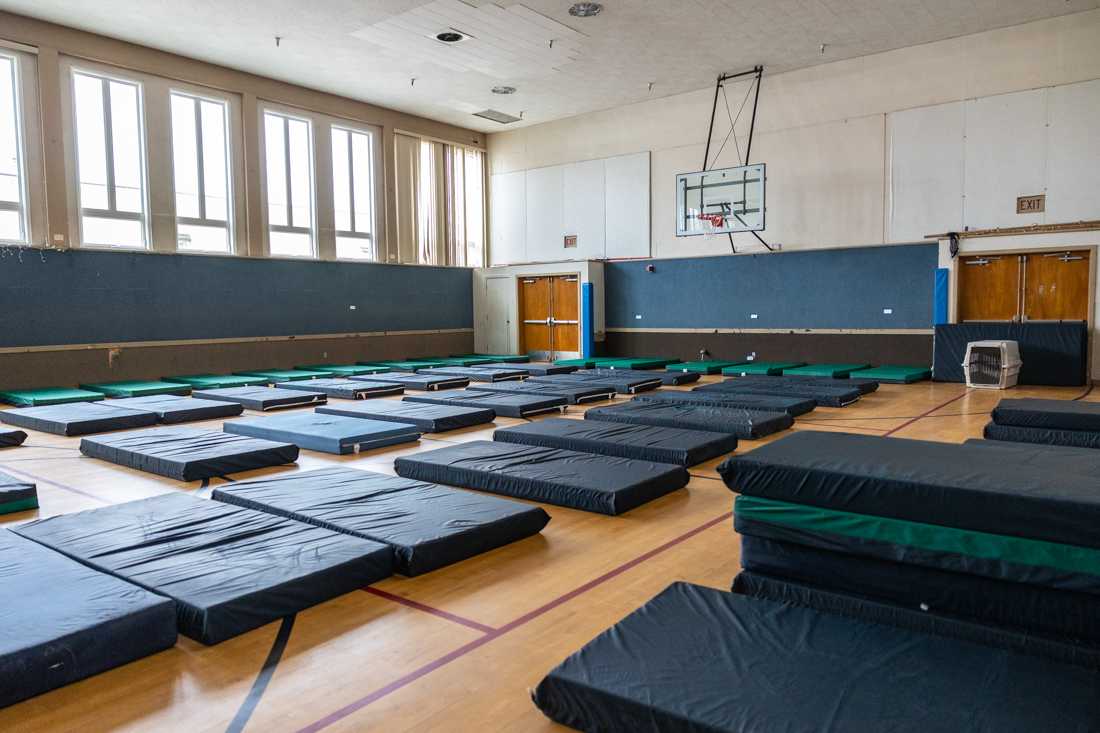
x,y
82,296
588,321
940,295
837,288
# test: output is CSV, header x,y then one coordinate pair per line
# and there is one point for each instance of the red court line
x,y
925,414
850,427
465,649
1086,393
431,609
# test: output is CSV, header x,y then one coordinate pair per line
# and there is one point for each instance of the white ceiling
x,y
370,49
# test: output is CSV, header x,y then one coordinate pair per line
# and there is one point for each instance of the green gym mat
x,y
344,370
461,361
579,363
836,371
19,505
409,365
497,358
48,396
642,362
770,368
895,374
218,381
702,367
138,388
284,375
933,538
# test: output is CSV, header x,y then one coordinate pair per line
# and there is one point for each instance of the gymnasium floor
x,y
457,649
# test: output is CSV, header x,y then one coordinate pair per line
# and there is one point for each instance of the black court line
x,y
248,706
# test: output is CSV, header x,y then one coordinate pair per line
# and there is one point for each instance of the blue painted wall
x,y
78,297
838,288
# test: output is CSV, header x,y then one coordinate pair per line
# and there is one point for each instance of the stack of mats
x,y
63,621
893,374
643,442
700,659
344,370
1050,422
48,396
825,396
993,536
701,367
426,526
217,381
793,406
228,569
138,389
347,389
746,424
16,495
505,404
767,368
585,481
833,371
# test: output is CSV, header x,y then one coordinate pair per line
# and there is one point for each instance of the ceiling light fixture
x,y
450,36
585,10
504,90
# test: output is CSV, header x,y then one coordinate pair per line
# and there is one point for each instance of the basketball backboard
x,y
720,201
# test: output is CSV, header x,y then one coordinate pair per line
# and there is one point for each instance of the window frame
x,y
230,222
22,208
29,146
105,78
288,113
372,237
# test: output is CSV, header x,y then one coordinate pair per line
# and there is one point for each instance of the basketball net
x,y
711,223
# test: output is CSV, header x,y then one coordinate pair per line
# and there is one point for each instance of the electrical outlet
x,y
888,311
637,316
753,316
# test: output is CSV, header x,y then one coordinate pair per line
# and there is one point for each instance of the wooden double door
x,y
1037,286
549,314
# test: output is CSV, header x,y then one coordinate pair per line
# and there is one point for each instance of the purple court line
x,y
907,423
57,485
432,610
465,649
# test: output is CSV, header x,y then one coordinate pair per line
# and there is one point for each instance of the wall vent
x,y
497,116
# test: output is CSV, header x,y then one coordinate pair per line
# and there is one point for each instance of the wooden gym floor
x,y
455,650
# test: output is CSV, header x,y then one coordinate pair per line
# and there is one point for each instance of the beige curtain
x,y
406,163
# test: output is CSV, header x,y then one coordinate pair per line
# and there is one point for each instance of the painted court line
x,y
923,415
259,686
455,618
56,485
465,649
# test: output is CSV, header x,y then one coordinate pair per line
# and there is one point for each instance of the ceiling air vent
x,y
497,116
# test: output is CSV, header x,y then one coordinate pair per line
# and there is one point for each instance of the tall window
x,y
353,193
288,147
110,141
473,191
428,201
450,205
200,157
13,188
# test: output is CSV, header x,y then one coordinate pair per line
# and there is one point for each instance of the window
x,y
288,147
13,181
353,193
110,142
450,205
200,158
427,204
473,191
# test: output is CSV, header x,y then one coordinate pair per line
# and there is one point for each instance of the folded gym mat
x,y
262,398
218,381
427,526
325,433
505,404
865,386
1043,436
48,396
229,569
574,394
187,454
825,396
172,409
623,382
1058,414
427,417
1032,609
11,438
138,388
284,375
699,659
833,371
701,367
793,406
631,362
347,389
477,373
578,480
769,368
78,418
534,368
895,374
409,365
675,379
745,424
1002,557
644,442
501,358
16,495
344,370
64,622
922,481
423,382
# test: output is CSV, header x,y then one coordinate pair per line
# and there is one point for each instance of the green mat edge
x,y
11,397
19,505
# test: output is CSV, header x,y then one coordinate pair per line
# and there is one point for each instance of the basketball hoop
x,y
711,224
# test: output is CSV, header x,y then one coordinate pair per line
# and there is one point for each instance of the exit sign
x,y
1031,204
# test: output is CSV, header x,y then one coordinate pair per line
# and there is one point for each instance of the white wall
x,y
868,150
